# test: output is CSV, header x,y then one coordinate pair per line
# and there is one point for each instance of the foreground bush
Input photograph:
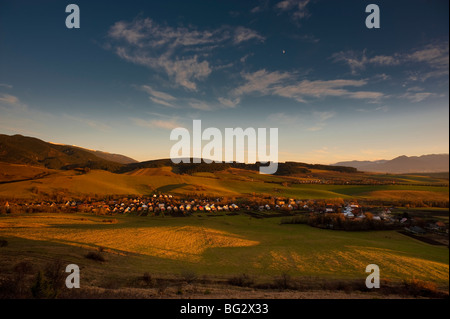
x,y
97,256
242,280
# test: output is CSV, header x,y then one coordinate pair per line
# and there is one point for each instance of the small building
x,y
417,230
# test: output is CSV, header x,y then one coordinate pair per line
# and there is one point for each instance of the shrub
x,y
147,279
189,276
417,287
41,288
22,268
3,243
95,256
15,286
55,274
284,281
242,280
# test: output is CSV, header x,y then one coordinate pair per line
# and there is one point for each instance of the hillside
x,y
284,169
18,149
433,163
117,158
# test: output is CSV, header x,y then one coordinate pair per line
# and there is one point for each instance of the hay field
x,y
219,246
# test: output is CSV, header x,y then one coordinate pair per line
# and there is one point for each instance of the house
x,y
329,209
349,215
417,230
440,225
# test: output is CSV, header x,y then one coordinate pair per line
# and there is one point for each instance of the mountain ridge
x,y
18,149
429,163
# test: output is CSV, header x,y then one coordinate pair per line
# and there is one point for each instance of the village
x,y
331,214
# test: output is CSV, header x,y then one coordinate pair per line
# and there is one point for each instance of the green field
x,y
216,246
232,182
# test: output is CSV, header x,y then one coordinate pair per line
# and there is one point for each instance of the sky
x,y
134,70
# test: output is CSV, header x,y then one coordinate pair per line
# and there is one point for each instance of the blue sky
x,y
137,69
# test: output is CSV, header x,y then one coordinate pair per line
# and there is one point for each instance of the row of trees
x,y
339,222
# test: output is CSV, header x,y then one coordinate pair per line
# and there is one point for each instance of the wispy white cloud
x,y
297,8
262,6
167,124
321,119
228,102
285,84
261,81
383,108
434,56
242,34
200,105
180,52
417,97
358,61
8,86
158,96
9,99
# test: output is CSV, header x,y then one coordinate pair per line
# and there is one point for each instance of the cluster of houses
x,y
145,205
160,204
345,181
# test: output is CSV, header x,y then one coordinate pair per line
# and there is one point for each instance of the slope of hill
x,y
20,149
117,158
432,163
284,169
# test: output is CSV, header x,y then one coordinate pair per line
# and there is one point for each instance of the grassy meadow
x,y
215,246
232,182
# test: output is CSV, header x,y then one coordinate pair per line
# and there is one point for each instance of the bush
x,y
95,256
42,289
14,287
22,268
417,287
243,280
189,276
55,274
283,282
147,279
3,243
301,219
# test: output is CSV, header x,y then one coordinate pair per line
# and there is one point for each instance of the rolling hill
x,y
433,163
117,158
18,149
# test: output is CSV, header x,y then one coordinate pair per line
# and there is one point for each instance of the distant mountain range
x,y
433,163
20,149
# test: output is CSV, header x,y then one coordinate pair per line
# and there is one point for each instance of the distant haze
x,y
433,163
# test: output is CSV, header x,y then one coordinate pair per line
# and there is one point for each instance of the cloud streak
x,y
434,56
182,53
297,8
286,85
